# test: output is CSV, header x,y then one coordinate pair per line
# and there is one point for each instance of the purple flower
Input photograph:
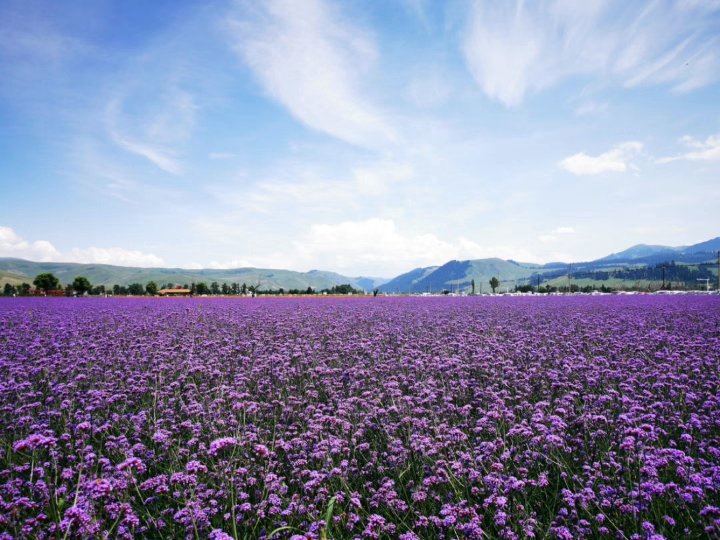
x,y
422,417
132,464
33,442
195,467
217,534
220,444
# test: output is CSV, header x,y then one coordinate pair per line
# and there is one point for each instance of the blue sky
x,y
364,137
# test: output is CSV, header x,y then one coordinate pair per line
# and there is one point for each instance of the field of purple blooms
x,y
575,417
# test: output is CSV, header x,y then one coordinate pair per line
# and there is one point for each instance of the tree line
x,y
49,284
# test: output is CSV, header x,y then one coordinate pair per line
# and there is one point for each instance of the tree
x,y
243,289
225,288
201,288
136,289
81,285
345,288
9,290
214,287
151,288
472,285
46,282
24,289
494,283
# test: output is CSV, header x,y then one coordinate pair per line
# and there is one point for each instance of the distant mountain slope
x,y
649,254
362,282
452,276
703,247
408,281
640,251
643,254
458,275
16,271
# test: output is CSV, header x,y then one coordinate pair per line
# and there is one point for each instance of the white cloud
x,y
618,159
222,265
555,234
707,150
312,61
376,246
12,245
513,49
114,255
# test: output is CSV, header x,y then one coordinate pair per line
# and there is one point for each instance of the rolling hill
x,y
452,276
16,271
458,275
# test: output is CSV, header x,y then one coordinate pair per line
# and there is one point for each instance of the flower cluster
x,y
548,417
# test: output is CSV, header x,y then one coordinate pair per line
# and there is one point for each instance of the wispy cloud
x,y
157,157
618,159
311,60
38,39
513,49
302,190
154,134
707,150
13,245
591,108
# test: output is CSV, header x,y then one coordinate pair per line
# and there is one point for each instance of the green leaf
x,y
280,529
328,514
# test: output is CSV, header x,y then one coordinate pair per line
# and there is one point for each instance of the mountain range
x,y
453,275
459,275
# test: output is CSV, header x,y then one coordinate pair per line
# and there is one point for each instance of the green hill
x,y
458,276
16,271
640,266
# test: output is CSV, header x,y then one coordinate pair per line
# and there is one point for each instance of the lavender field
x,y
360,418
